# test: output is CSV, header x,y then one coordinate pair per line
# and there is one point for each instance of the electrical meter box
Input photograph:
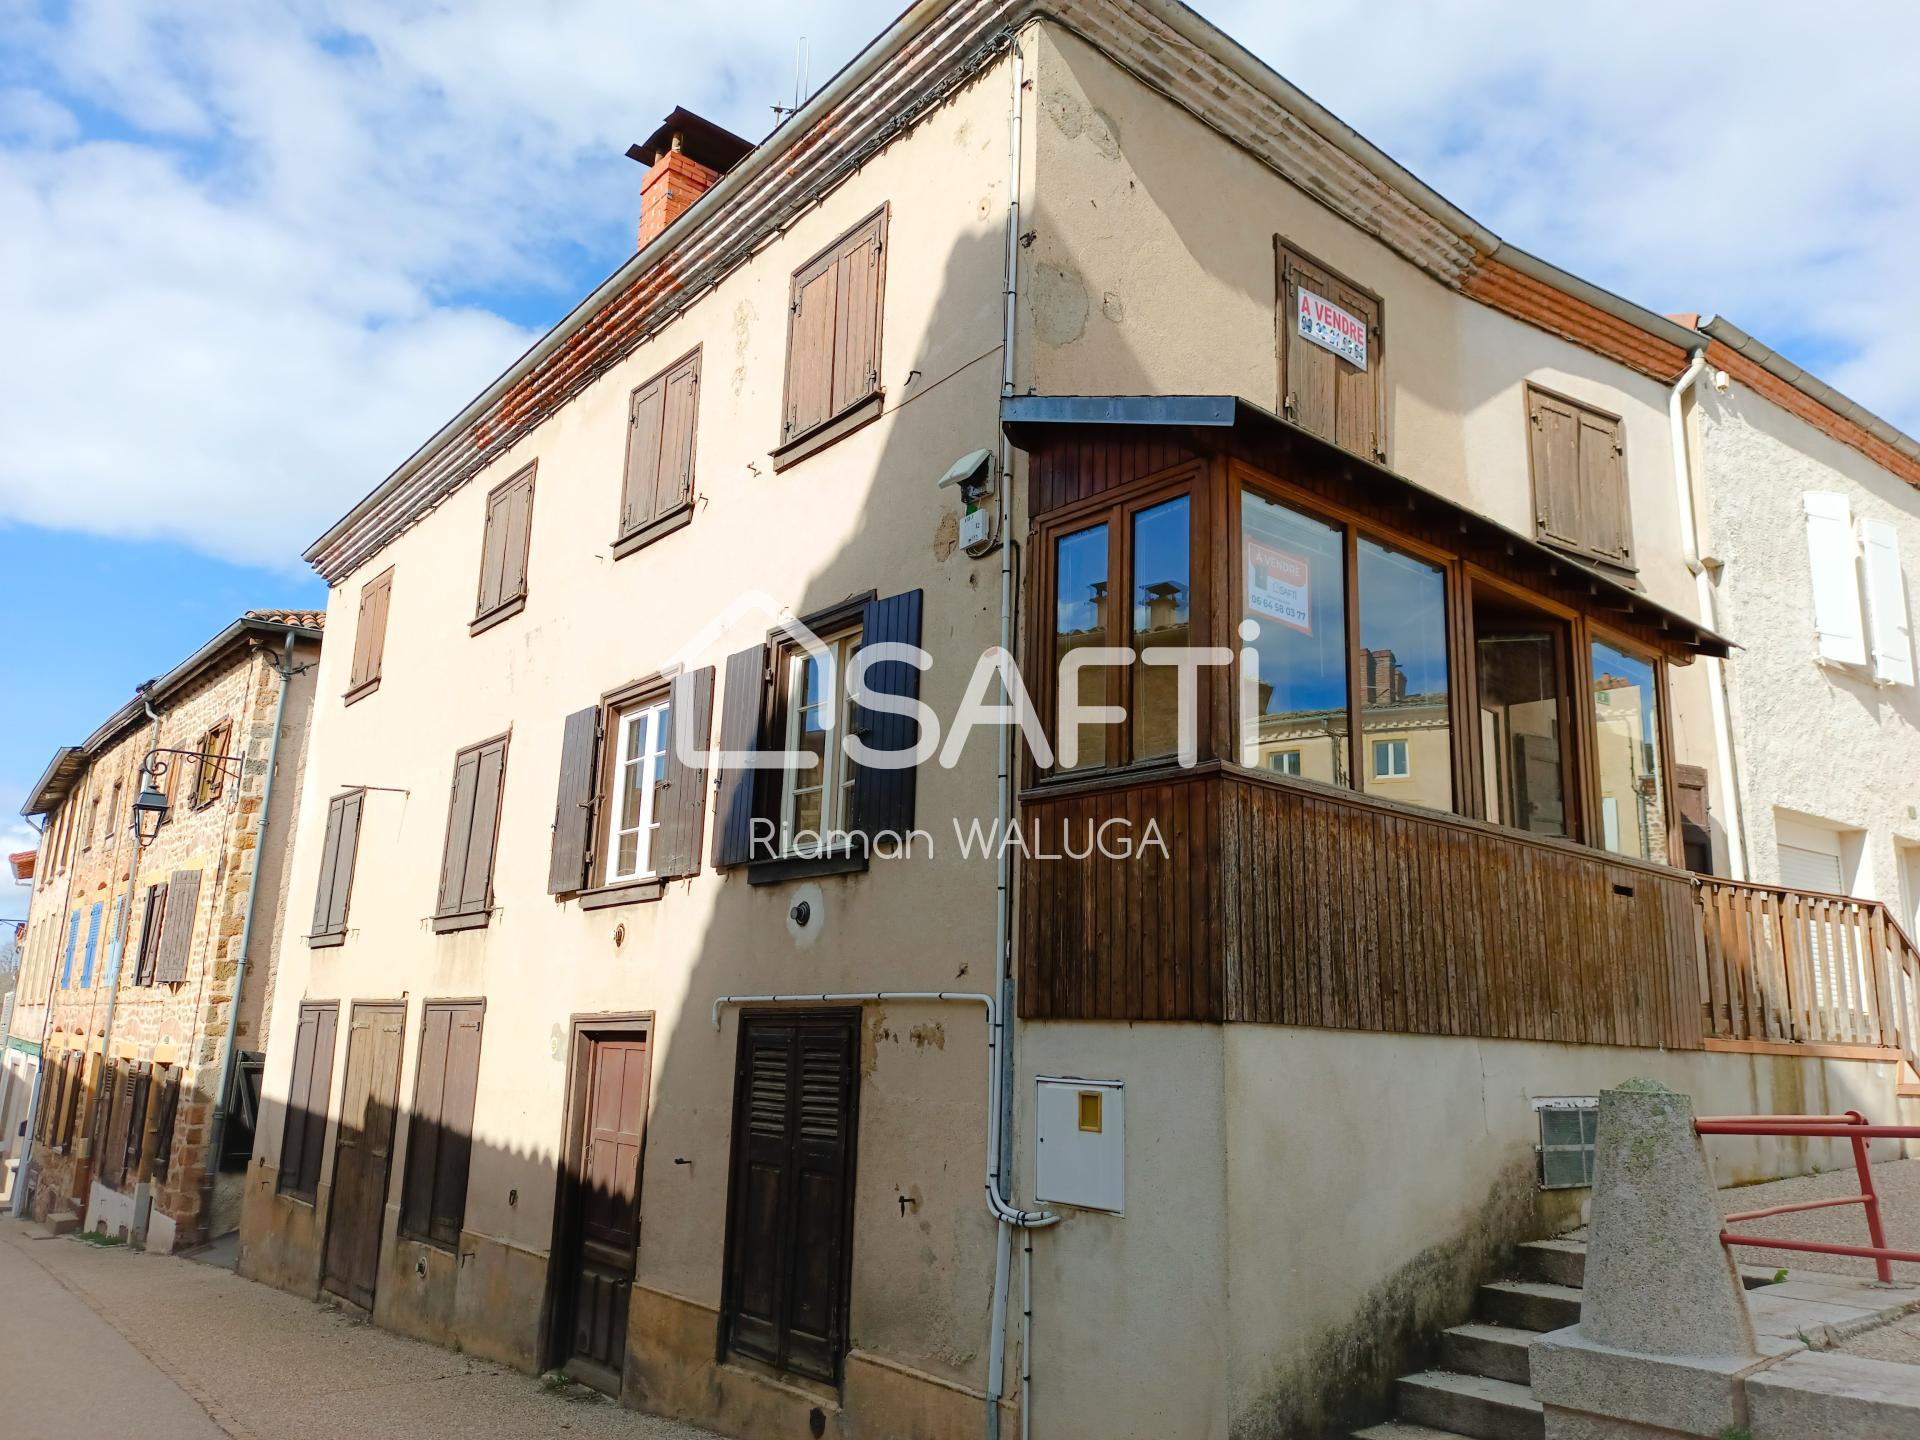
x,y
1081,1139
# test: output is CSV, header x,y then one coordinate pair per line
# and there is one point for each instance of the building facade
x,y
19,1047
729,1094
153,933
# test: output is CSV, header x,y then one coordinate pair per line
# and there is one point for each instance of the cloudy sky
x,y
252,254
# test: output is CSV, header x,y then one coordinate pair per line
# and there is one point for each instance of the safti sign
x,y
1325,324
1278,587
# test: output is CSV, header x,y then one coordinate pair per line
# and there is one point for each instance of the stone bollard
x,y
1664,1337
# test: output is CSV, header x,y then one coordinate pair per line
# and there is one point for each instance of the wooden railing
x,y
1797,967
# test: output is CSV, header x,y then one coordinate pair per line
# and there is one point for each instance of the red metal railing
x,y
1852,1126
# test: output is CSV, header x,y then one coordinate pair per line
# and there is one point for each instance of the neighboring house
x,y
1293,1080
150,949
19,1030
1811,520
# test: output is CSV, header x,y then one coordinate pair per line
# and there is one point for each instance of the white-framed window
x,y
1390,760
639,765
1284,762
814,701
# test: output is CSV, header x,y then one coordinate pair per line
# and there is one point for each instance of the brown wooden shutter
x,y
139,1092
573,807
857,295
309,1090
677,435
744,701
167,1110
882,800
684,787
647,412
794,1122
440,1137
519,538
1308,375
810,348
1357,391
100,1124
176,937
1603,484
151,928
337,856
493,554
370,631
466,871
1556,469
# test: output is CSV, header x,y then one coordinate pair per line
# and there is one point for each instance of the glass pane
x,y
1633,810
1295,574
1162,570
1520,730
1404,690
1560,1127
1564,1169
1080,620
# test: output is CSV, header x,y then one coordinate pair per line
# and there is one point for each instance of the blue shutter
x,y
93,939
73,939
116,939
883,799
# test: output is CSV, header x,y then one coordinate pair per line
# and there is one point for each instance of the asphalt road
x,y
105,1341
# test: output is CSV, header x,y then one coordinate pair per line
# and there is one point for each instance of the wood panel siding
x,y
1283,902
1066,474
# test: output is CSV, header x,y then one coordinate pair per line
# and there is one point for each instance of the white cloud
x,y
253,255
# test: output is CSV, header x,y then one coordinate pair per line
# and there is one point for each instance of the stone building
x,y
148,970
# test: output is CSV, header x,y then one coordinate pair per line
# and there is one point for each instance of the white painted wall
x,y
1819,745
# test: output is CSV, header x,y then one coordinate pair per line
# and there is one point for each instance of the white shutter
x,y
1836,584
1887,604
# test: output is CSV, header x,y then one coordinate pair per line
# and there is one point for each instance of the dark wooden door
x,y
603,1240
791,1220
363,1152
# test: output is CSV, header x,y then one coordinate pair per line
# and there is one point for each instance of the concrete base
x,y
1837,1397
1699,1396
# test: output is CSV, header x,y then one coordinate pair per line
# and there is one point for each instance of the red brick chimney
x,y
685,158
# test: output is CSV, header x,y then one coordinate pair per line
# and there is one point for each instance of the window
x,y
176,939
113,815
1284,762
210,780
73,943
1390,760
779,696
1404,678
817,713
1626,722
433,1202
337,854
1522,744
1567,1135
789,1232
657,493
153,919
1579,478
131,1132
1330,354
370,636
503,552
93,823
1296,600
1139,595
93,942
629,814
473,826
308,1092
833,342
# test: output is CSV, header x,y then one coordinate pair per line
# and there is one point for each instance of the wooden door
x,y
602,1239
791,1210
363,1152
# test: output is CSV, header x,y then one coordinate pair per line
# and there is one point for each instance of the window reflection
x,y
1162,575
1403,687
1294,571
1080,620
1633,810
1523,770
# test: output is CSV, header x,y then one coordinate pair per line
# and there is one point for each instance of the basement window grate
x,y
1567,1127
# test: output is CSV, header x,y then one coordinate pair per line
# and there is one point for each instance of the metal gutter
x,y
1784,370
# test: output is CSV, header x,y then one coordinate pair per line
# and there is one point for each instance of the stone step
x,y
1471,1405
1401,1430
1554,1262
1499,1352
62,1222
1529,1305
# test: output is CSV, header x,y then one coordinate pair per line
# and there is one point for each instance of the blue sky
x,y
253,254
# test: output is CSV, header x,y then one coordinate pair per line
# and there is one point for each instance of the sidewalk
x,y
97,1341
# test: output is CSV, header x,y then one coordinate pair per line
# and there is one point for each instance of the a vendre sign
x,y
1325,324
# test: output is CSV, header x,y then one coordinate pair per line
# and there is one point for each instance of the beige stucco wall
x,y
1301,1205
862,514
1823,741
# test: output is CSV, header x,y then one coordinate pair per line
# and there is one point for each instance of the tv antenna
x,y
782,112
